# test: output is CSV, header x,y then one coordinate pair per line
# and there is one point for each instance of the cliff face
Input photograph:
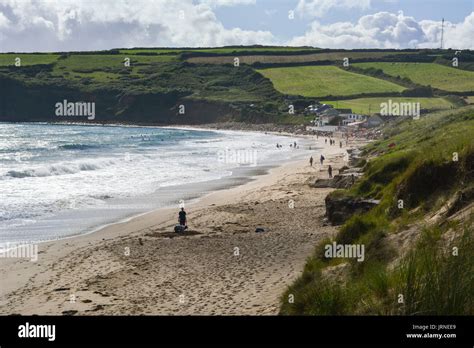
x,y
20,103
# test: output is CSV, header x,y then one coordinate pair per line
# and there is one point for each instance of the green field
x,y
318,81
103,68
79,62
167,73
282,58
27,59
99,67
438,76
370,106
218,50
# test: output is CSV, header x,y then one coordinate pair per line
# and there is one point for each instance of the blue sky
x,y
63,25
272,15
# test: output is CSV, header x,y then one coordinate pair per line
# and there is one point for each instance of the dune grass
x,y
421,171
437,278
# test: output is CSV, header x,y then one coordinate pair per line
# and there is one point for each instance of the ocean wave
x,y
77,147
208,141
102,197
59,169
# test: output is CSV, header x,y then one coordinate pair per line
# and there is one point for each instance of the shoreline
x,y
272,128
84,221
95,270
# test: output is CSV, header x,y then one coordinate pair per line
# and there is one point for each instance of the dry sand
x,y
222,266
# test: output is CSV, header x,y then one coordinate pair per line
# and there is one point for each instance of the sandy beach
x,y
221,266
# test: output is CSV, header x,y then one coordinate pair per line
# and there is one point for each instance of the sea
x,y
64,180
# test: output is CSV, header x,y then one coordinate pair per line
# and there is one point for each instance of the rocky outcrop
x,y
340,208
343,169
355,158
339,182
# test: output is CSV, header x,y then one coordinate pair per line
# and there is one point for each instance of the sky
x,y
83,25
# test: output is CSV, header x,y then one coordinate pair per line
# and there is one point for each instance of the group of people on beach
x,y
182,213
333,142
293,145
321,160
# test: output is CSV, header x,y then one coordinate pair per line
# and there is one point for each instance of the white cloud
x,y
388,30
318,8
460,35
4,21
88,25
218,3
32,25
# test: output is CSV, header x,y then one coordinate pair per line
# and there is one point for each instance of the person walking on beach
x,y
311,161
340,144
182,218
321,159
330,171
326,140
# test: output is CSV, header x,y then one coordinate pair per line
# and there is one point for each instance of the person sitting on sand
x,y
182,218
